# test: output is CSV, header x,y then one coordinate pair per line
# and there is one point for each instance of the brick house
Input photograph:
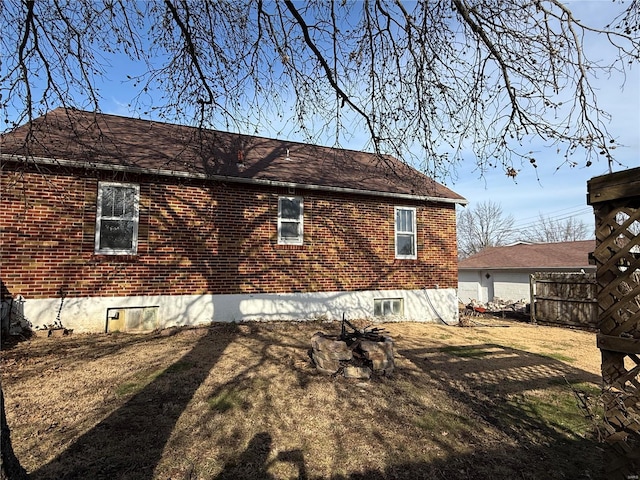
x,y
111,223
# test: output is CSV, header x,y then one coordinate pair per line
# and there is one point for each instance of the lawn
x,y
498,400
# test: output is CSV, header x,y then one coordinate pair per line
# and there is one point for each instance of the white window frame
x,y
135,217
299,221
413,233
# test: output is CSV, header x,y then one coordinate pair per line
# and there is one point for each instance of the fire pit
x,y
354,353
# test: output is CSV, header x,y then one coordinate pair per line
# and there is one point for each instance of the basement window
x,y
290,221
388,307
117,219
132,319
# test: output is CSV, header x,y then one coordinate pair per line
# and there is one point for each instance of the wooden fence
x,y
564,299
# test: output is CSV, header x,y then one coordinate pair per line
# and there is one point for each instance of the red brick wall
x,y
212,238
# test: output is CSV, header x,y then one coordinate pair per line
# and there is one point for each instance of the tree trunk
x,y
10,468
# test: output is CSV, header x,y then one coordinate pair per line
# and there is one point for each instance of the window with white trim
x,y
388,307
290,221
117,219
405,232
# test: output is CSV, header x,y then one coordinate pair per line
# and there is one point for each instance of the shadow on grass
x,y
483,389
502,464
481,465
496,382
252,463
73,349
128,444
492,382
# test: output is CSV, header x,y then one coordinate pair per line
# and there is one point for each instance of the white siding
x,y
511,286
469,286
506,285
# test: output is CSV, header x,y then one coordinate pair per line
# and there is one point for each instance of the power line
x,y
525,227
562,212
558,218
515,229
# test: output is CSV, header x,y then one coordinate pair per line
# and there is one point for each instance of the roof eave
x,y
573,267
221,178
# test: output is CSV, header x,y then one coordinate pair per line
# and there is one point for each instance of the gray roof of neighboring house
x,y
95,140
532,256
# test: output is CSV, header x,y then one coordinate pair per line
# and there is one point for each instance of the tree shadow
x,y
252,463
137,441
493,381
487,375
128,444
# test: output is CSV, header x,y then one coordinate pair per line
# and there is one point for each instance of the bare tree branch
x,y
428,81
191,50
329,72
483,226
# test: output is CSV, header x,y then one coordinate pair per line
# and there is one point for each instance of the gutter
x,y
221,178
586,268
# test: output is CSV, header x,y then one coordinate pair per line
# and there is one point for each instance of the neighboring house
x,y
111,223
504,272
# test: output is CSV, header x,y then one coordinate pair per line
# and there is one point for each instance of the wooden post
x,y
616,202
532,298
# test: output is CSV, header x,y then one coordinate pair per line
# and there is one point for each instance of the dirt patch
x,y
244,401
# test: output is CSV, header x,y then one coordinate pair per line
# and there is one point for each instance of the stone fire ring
x,y
332,356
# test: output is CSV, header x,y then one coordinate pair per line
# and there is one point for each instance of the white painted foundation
x,y
90,314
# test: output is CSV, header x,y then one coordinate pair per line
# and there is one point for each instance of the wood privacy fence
x,y
564,298
616,203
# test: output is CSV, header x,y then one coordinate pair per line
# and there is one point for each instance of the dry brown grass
x,y
244,401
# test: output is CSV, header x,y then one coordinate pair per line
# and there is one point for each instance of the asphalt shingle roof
x,y
537,255
89,137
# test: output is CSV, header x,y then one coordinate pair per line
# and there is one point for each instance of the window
x,y
405,232
132,319
386,307
290,221
117,219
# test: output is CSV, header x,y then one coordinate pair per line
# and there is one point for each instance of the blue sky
x,y
547,190
550,191
561,192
